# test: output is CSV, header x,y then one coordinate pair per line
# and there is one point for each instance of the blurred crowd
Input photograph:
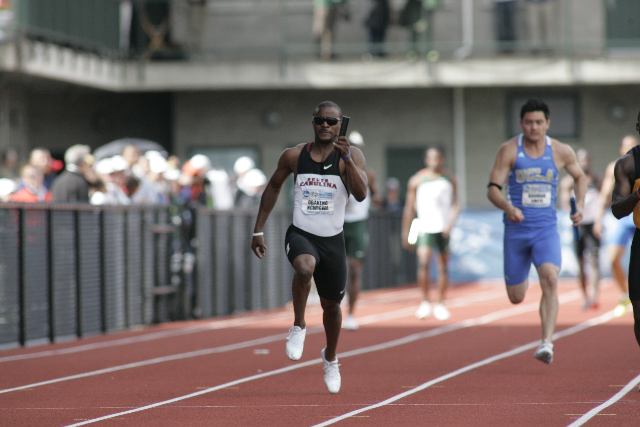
x,y
130,177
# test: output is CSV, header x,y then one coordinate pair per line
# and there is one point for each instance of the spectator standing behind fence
x,y
325,17
71,186
542,24
250,193
41,159
114,173
148,171
241,166
505,14
9,164
32,186
392,202
377,22
7,188
588,241
198,190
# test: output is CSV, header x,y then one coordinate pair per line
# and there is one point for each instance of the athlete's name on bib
x,y
318,182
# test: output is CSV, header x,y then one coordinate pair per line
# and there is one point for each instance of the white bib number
x,y
536,195
316,202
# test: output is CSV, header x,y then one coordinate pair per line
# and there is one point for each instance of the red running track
x,y
476,369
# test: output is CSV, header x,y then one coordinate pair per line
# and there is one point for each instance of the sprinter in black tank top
x,y
624,200
326,171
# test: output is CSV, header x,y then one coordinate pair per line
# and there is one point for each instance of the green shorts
x,y
356,239
434,240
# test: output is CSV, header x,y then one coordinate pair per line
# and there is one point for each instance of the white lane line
x,y
312,330
208,326
230,323
619,395
574,329
570,296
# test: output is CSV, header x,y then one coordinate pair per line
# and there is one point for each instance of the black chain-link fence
x,y
74,271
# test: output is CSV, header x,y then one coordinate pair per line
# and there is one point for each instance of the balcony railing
x,y
223,30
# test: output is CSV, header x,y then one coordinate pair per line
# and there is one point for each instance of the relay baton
x,y
576,231
343,127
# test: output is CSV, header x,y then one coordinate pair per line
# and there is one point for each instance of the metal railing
x,y
69,271
281,29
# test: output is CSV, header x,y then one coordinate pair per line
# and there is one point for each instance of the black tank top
x,y
635,183
320,195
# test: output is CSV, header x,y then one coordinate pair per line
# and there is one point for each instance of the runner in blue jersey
x,y
326,171
529,165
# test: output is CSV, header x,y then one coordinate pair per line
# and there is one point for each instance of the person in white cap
x,y
114,172
198,191
7,187
253,184
356,236
240,168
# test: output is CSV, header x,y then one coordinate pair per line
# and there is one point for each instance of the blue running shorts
x,y
522,246
623,232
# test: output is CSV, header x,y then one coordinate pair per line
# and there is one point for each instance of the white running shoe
x,y
331,374
544,353
295,342
350,323
440,312
424,310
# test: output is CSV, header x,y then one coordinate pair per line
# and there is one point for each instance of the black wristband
x,y
494,185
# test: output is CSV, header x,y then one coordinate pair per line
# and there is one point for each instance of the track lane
x,y
315,311
513,311
308,389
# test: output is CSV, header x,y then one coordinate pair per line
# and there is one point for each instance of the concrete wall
x,y
57,116
14,119
186,121
398,118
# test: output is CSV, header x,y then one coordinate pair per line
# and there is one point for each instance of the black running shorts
x,y
330,273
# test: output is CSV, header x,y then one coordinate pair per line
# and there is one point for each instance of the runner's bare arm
x,y
356,175
604,199
499,174
373,188
624,199
579,180
286,166
564,192
455,209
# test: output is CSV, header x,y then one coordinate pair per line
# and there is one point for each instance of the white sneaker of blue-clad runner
x,y
331,374
544,353
295,342
440,312
424,310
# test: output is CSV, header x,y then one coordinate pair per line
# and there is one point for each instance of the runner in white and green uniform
x,y
431,194
356,236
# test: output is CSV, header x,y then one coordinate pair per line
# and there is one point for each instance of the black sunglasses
x,y
331,121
